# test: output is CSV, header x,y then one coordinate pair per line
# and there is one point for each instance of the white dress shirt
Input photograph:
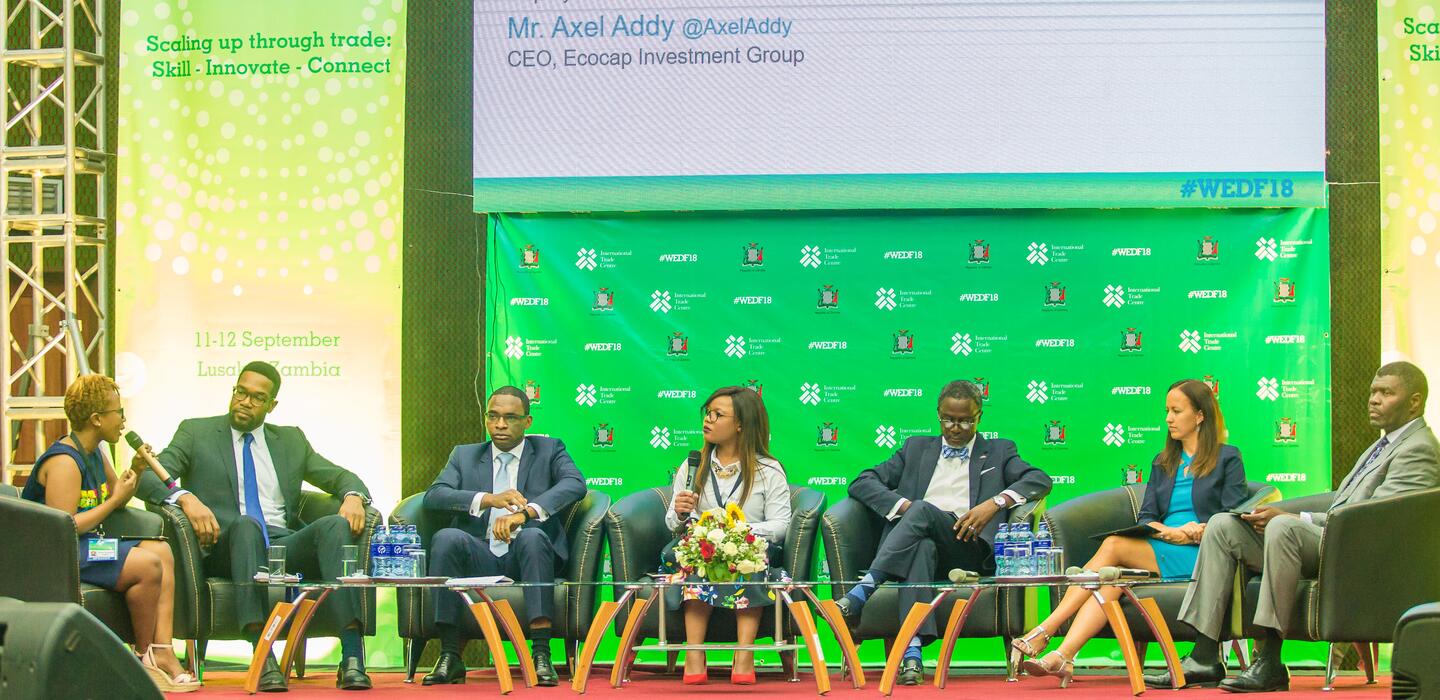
x,y
949,487
767,510
518,450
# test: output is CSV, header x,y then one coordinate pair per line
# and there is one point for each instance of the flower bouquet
x,y
720,548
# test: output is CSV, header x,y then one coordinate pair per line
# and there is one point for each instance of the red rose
x,y
749,538
707,550
733,569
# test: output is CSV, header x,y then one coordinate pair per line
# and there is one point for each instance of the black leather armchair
x,y
851,534
205,607
575,604
1376,562
1074,523
638,534
44,561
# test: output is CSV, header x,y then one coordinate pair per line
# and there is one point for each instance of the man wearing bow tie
x,y
501,495
1285,547
939,496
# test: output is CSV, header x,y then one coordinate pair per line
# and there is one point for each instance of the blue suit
x,y
1222,489
547,477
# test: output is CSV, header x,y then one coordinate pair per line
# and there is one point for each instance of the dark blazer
x,y
1222,489
201,457
995,466
547,478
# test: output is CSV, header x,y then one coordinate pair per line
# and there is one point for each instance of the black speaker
x,y
57,650
1417,645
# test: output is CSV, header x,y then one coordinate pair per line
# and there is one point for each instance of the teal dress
x,y
1177,560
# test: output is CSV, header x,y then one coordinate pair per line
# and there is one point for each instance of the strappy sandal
x,y
1032,644
1052,664
182,682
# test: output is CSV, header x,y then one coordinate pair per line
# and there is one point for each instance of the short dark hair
x,y
268,371
963,390
1410,376
508,390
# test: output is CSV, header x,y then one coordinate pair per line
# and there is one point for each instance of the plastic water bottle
x,y
1022,551
378,551
1002,553
412,545
1043,546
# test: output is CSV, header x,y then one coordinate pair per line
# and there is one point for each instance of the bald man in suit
x,y
1285,547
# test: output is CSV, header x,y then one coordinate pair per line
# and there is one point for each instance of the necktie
x,y
503,482
1359,474
948,452
252,488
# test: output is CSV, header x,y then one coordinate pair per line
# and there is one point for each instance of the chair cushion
x,y
109,607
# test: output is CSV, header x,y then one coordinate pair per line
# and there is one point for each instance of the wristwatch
x,y
999,501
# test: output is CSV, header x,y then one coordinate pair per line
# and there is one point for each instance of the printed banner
x,y
260,163
1073,322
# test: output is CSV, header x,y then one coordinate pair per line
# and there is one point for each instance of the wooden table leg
x,y
958,614
805,626
486,619
624,654
1150,610
831,612
913,620
304,612
279,615
603,618
1121,628
511,626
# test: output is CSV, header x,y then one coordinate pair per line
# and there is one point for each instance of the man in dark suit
x,y
939,496
240,488
502,495
1285,547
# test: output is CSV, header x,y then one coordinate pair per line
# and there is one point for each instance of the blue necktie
x,y
503,480
252,489
948,452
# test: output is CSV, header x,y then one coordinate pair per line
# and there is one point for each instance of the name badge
x,y
102,549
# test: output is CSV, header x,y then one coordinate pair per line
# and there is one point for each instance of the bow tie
x,y
948,452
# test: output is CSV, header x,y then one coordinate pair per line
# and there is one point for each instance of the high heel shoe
x,y
1052,664
182,682
696,678
1032,644
738,678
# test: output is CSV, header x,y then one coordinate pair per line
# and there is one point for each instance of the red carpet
x,y
649,685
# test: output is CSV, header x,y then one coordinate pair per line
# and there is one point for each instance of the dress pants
x,y
531,559
922,548
312,551
1288,551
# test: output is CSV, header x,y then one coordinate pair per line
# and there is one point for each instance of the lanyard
x,y
97,476
715,483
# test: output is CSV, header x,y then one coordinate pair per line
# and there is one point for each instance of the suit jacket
x,y
1411,462
547,478
1223,489
201,457
995,465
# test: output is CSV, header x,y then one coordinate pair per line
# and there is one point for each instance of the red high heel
x,y
737,678
696,678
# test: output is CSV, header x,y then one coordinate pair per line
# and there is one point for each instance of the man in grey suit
x,y
1285,547
501,496
939,496
240,488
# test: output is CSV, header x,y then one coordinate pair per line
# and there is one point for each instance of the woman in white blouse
x,y
735,467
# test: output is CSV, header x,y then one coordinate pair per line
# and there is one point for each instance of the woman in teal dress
x,y
1193,478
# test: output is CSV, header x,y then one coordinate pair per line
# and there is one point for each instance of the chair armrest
x,y
1368,578
412,511
1074,523
806,506
585,529
1030,512
637,532
192,594
134,522
40,550
851,535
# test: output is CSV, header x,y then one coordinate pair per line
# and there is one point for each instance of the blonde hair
x,y
86,396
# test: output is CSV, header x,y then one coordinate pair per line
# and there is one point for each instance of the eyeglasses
x,y
713,416
240,395
506,418
961,424
121,411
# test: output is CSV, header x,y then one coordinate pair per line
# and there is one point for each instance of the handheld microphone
x,y
138,445
1074,571
960,576
692,464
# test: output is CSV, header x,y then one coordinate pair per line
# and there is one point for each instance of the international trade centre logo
x,y
1267,249
810,394
1114,435
1114,296
735,346
885,299
1038,254
530,257
829,297
660,438
1037,391
514,347
585,394
810,256
1267,389
1054,294
1190,341
1209,249
677,345
961,344
754,256
585,258
660,301
979,252
885,436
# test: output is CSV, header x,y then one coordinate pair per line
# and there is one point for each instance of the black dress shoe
x,y
1197,675
912,672
351,675
545,675
449,670
271,679
1266,675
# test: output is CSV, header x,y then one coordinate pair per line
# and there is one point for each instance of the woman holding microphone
x,y
736,467
74,476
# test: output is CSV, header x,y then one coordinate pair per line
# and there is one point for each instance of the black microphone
x,y
139,446
692,464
